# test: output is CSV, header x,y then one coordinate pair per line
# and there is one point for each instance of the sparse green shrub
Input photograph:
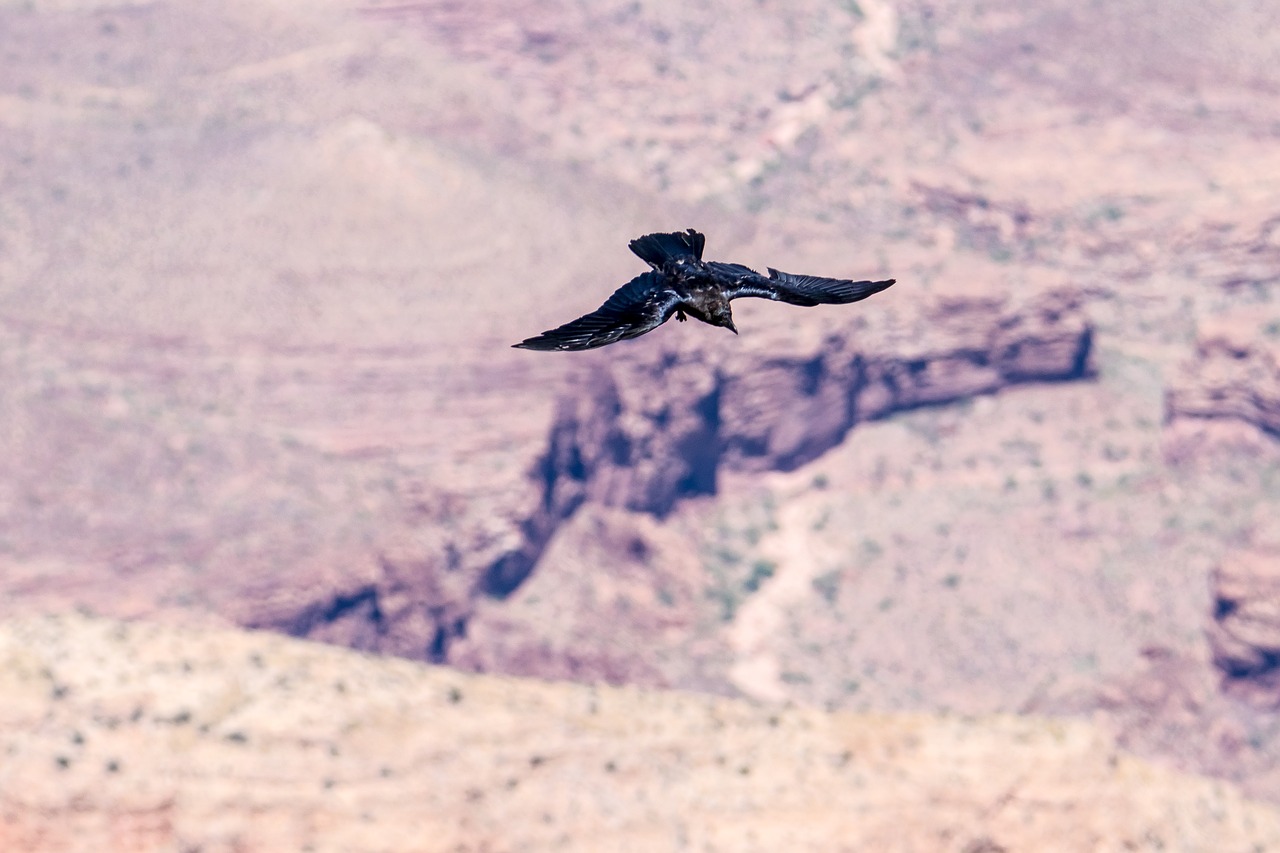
x,y
827,585
761,571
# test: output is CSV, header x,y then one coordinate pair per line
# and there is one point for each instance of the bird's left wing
x,y
798,289
641,305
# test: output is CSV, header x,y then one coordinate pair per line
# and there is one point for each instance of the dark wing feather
x,y
641,305
732,272
804,289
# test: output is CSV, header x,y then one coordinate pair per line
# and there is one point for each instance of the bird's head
x,y
722,315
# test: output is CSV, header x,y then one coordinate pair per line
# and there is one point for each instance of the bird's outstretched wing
x,y
641,305
797,289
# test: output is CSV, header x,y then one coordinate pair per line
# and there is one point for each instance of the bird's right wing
x,y
641,305
803,289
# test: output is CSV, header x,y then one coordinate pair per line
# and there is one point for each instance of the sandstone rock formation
x,y
1234,373
641,432
130,737
1244,633
641,435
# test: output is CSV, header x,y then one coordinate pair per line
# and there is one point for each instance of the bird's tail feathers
x,y
658,249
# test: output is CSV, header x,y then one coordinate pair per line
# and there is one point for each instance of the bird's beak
x,y
732,327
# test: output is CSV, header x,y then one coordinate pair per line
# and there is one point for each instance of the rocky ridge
x,y
637,428
643,431
642,434
133,737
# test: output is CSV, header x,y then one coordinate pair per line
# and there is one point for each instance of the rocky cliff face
x,y
643,435
641,432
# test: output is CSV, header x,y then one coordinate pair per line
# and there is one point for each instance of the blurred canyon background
x,y
296,553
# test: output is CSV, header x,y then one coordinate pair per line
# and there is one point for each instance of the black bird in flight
x,y
682,283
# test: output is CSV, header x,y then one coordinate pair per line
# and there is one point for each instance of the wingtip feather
x,y
539,343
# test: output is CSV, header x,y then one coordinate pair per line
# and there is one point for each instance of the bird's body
x,y
680,283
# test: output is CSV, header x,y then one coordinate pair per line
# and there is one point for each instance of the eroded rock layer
x,y
642,434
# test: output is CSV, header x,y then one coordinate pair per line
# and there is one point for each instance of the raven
x,y
681,283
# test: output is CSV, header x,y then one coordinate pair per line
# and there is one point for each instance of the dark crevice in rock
x,y
439,645
359,606
811,376
1224,607
562,472
446,632
1244,631
1265,664
701,450
506,574
1083,366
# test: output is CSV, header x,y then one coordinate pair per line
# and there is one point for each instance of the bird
x,y
679,282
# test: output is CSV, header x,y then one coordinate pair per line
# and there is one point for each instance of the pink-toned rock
x,y
1234,372
764,412
1245,630
642,433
